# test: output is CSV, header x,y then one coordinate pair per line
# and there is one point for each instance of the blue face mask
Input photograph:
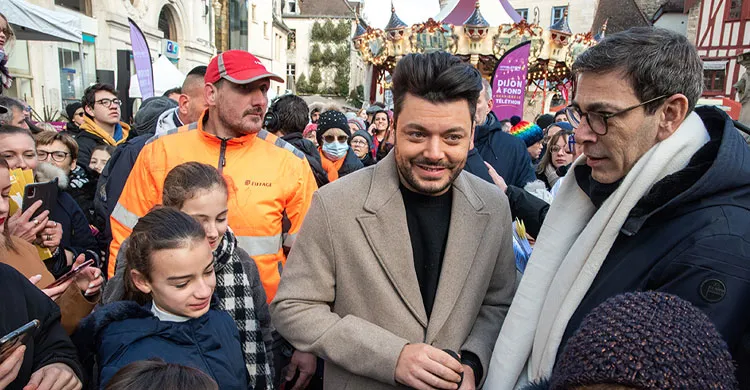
x,y
335,151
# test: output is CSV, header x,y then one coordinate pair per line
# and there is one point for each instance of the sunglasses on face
x,y
79,114
332,138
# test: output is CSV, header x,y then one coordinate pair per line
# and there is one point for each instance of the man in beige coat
x,y
400,261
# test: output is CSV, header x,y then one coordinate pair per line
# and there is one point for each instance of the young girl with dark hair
x,y
155,374
170,271
201,192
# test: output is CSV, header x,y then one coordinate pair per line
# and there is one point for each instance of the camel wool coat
x,y
349,292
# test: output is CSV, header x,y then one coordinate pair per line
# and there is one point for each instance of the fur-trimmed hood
x,y
45,172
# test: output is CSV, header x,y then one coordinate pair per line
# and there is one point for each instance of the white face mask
x,y
335,150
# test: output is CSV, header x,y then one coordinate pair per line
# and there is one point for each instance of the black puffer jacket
x,y
313,157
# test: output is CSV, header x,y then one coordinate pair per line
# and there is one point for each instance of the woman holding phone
x,y
62,227
76,297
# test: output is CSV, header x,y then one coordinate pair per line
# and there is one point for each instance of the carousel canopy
x,y
497,12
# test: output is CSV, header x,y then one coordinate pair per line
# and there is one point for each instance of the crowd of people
x,y
225,241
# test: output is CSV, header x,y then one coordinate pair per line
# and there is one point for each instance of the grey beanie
x,y
148,115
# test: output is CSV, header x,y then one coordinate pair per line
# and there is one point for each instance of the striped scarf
x,y
236,298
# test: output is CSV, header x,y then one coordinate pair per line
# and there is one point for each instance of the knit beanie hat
x,y
71,108
365,135
148,115
332,120
646,340
309,129
545,120
359,122
529,133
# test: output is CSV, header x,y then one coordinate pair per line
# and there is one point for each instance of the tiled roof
x,y
395,21
622,15
327,8
476,19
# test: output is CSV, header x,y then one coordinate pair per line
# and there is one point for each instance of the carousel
x,y
462,30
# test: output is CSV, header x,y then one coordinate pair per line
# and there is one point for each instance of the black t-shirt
x,y
428,218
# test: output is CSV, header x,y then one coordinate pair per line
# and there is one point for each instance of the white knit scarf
x,y
572,245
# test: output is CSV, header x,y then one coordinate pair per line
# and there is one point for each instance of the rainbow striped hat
x,y
528,132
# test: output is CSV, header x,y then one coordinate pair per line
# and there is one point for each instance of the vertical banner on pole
x,y
142,60
509,82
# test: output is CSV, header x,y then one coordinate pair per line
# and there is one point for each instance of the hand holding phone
x,y
70,274
46,192
11,341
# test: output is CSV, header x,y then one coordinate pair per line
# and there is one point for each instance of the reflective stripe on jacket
x,y
267,177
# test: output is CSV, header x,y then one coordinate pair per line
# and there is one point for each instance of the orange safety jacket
x,y
270,184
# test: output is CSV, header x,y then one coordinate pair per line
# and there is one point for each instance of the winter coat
x,y
311,152
168,120
124,332
21,303
25,259
77,236
368,159
506,153
112,181
689,236
350,164
92,135
115,290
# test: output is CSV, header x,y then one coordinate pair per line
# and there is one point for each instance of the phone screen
x,y
71,273
16,338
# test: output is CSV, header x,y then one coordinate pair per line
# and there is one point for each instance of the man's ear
x,y
182,104
209,93
671,115
89,111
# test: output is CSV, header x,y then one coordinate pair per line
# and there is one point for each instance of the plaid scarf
x,y
236,298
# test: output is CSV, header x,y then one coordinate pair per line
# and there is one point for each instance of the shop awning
x,y
34,23
166,77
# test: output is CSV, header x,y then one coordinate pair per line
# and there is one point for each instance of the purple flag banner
x,y
142,61
509,82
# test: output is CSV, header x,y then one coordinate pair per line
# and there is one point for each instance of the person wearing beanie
x,y
146,118
337,157
545,120
310,133
645,340
531,135
74,112
361,143
356,124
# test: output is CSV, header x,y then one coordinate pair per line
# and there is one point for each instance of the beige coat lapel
x,y
466,232
387,233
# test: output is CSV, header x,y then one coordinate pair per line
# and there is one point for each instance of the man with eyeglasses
x,y
101,124
660,202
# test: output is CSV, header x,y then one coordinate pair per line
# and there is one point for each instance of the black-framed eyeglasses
x,y
108,102
598,122
57,156
332,138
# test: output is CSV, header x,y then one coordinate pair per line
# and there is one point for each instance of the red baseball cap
x,y
239,67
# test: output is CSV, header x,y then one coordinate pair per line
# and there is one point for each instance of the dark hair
x,y
314,110
290,111
6,232
177,90
438,78
106,148
199,70
155,374
656,62
387,117
184,180
47,137
89,95
162,228
9,103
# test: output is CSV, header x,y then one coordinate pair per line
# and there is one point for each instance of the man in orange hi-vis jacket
x,y
270,182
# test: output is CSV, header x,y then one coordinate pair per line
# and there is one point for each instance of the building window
x,y
81,6
558,13
291,72
265,30
734,10
277,47
714,81
291,40
238,37
253,15
292,7
524,12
